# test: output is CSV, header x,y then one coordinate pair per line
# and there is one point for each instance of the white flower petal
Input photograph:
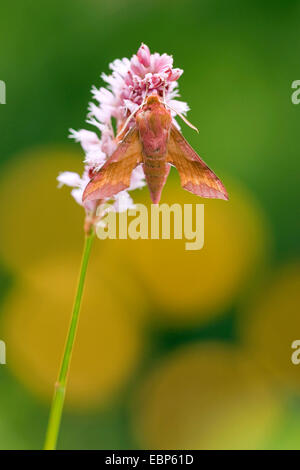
x,y
77,195
137,178
123,202
69,178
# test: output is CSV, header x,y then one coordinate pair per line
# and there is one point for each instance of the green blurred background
x,y
175,349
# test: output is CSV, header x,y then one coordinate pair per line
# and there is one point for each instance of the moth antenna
x,y
179,114
183,118
133,113
164,95
127,122
145,96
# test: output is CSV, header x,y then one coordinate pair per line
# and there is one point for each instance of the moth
x,y
154,142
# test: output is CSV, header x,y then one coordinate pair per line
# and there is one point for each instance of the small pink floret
x,y
144,55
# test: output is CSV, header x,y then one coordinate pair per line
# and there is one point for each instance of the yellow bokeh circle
x,y
38,219
272,323
186,286
205,396
35,321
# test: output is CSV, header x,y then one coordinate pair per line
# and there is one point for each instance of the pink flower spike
x,y
124,91
144,55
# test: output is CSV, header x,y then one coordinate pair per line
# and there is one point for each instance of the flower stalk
x,y
60,386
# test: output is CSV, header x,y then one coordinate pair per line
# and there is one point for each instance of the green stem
x,y
60,386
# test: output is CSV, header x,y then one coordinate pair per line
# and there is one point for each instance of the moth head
x,y
152,99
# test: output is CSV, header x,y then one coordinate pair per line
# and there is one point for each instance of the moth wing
x,y
115,174
195,176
